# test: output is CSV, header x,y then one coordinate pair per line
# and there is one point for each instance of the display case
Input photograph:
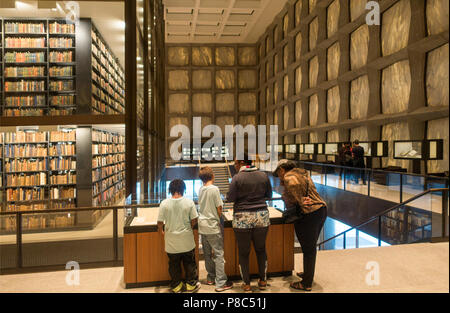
x,y
309,148
320,148
367,146
434,149
331,148
380,148
409,150
291,151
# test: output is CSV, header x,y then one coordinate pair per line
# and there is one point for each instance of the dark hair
x,y
206,174
290,165
246,160
177,186
356,142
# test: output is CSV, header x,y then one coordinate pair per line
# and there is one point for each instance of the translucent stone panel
x,y
359,133
225,56
298,12
359,47
225,102
437,16
247,102
312,5
314,137
298,46
178,103
333,136
437,76
395,27
313,33
285,87
201,56
390,133
298,80
248,79
269,119
298,114
357,7
225,79
359,97
333,104
285,57
224,120
178,80
178,56
276,92
245,120
173,121
438,129
333,59
268,99
333,12
313,110
268,47
247,56
267,71
275,117
202,103
261,51
285,26
286,117
313,71
395,88
206,120
201,79
276,34
275,64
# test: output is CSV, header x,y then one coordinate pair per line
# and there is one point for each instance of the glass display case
x,y
380,148
309,148
367,146
331,148
301,148
409,150
435,149
320,148
280,148
291,149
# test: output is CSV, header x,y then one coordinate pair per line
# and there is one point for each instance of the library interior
x,y
106,105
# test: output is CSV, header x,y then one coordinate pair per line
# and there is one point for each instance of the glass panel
x,y
8,249
412,186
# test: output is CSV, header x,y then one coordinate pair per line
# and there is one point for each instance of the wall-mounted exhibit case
x,y
49,67
419,149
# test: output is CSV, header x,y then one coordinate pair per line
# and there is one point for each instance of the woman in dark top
x,y
249,190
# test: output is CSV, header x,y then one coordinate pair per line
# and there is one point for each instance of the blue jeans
x,y
215,264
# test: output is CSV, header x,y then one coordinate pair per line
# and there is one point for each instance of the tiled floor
x,y
407,268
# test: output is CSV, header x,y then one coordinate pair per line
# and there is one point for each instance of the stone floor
x,y
407,268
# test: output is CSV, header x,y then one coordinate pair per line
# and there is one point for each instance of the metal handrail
x,y
379,215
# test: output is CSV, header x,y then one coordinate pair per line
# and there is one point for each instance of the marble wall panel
x,y
276,34
245,120
437,77
202,56
298,80
359,47
333,136
178,80
224,120
201,79
438,129
313,110
286,87
285,56
437,16
173,121
395,88
357,7
248,79
333,61
395,27
247,102
333,104
333,12
313,71
314,137
225,79
276,68
247,56
178,56
313,33
225,102
225,56
178,103
359,97
312,5
298,114
298,12
202,103
276,91
298,46
285,25
286,117
359,133
390,133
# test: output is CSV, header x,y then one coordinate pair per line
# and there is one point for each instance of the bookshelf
x,y
49,67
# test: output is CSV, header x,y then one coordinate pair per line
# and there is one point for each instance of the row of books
x,y
60,42
105,137
106,149
59,28
63,135
62,193
19,42
61,71
25,137
24,57
23,112
99,161
32,28
38,179
106,84
25,194
110,181
25,101
109,195
107,71
101,107
62,179
61,85
25,165
62,100
32,71
62,164
105,51
25,85
104,172
61,149
27,151
59,112
56,56
30,222
25,207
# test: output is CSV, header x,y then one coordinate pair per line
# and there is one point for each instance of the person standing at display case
x,y
249,190
210,229
358,162
176,220
300,192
